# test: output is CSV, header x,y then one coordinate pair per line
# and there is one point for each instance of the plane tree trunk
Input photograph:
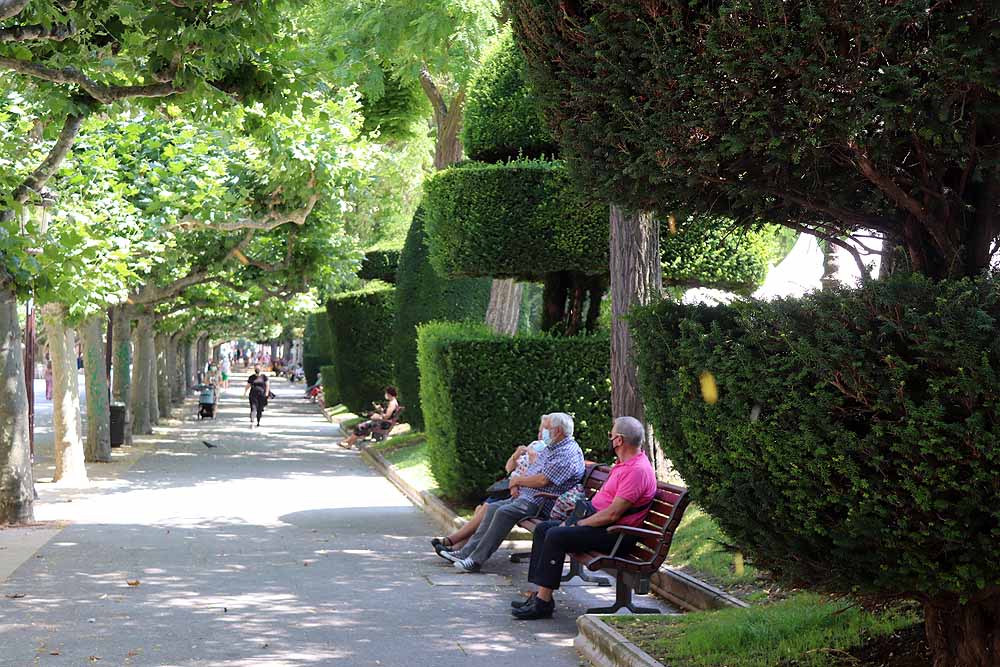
x,y
98,445
67,423
17,490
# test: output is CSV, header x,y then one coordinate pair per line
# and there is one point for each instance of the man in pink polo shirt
x,y
623,500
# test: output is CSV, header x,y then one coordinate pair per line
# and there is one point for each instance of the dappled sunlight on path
x,y
275,547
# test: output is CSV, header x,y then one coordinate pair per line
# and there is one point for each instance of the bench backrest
x,y
662,518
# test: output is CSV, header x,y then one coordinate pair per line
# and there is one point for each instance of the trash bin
x,y
117,424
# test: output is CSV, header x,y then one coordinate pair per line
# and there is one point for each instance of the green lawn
x,y
411,461
806,630
697,546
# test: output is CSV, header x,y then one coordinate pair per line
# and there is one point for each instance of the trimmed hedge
x,y
503,120
381,262
523,220
854,444
361,323
483,394
422,296
714,252
317,347
329,377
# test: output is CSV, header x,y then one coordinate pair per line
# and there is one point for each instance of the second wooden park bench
x,y
632,567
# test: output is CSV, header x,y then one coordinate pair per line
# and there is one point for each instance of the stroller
x,y
206,401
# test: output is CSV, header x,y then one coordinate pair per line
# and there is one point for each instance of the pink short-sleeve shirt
x,y
635,481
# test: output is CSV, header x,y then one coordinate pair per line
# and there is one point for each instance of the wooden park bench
x,y
381,430
634,567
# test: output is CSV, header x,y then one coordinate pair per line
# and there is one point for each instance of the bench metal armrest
x,y
632,530
622,531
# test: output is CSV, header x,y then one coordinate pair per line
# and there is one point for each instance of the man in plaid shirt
x,y
559,466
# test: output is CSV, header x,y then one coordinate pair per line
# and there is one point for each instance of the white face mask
x,y
546,436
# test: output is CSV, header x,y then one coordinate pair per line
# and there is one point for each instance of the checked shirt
x,y
562,464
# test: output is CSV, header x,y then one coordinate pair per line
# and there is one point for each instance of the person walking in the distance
x,y
259,388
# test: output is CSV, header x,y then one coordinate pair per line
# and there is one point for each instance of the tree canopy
x,y
885,117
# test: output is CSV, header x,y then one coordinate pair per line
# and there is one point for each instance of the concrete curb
x,y
691,593
603,646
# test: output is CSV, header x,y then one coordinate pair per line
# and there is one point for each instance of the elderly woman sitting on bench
x,y
516,465
380,418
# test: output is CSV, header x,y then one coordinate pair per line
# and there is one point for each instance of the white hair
x,y
631,431
561,421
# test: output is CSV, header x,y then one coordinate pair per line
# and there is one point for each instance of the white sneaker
x,y
467,565
451,556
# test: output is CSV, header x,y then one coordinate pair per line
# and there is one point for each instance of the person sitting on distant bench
x,y
380,418
624,499
516,465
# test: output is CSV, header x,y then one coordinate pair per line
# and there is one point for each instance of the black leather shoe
x,y
537,609
524,602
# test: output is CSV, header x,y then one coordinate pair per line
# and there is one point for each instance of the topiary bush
x,y
422,296
316,345
523,219
854,442
381,262
483,394
710,252
329,377
361,324
502,118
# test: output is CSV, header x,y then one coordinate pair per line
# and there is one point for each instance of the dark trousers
x,y
552,541
257,402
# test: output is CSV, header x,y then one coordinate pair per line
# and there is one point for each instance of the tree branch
x,y
99,91
434,95
888,186
37,33
272,220
11,8
40,176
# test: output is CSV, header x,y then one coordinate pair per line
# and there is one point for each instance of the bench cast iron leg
x,y
623,599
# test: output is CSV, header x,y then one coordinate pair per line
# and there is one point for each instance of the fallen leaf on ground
x,y
14,596
94,658
54,653
132,582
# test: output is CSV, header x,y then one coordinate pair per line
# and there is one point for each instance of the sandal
x,y
442,544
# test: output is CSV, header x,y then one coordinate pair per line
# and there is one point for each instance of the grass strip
x,y
698,546
806,630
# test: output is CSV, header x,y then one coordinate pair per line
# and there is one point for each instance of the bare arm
x,y
512,461
608,516
531,481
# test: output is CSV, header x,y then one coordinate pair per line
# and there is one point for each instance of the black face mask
x,y
612,443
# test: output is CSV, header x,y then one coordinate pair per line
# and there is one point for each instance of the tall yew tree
x,y
829,117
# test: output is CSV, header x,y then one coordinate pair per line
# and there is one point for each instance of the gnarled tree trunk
x,y
189,366
66,420
142,344
98,445
162,377
17,490
121,365
636,278
153,388
964,635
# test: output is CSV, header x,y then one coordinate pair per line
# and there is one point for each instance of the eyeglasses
x,y
612,435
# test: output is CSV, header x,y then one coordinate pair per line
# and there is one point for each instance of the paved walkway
x,y
274,548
